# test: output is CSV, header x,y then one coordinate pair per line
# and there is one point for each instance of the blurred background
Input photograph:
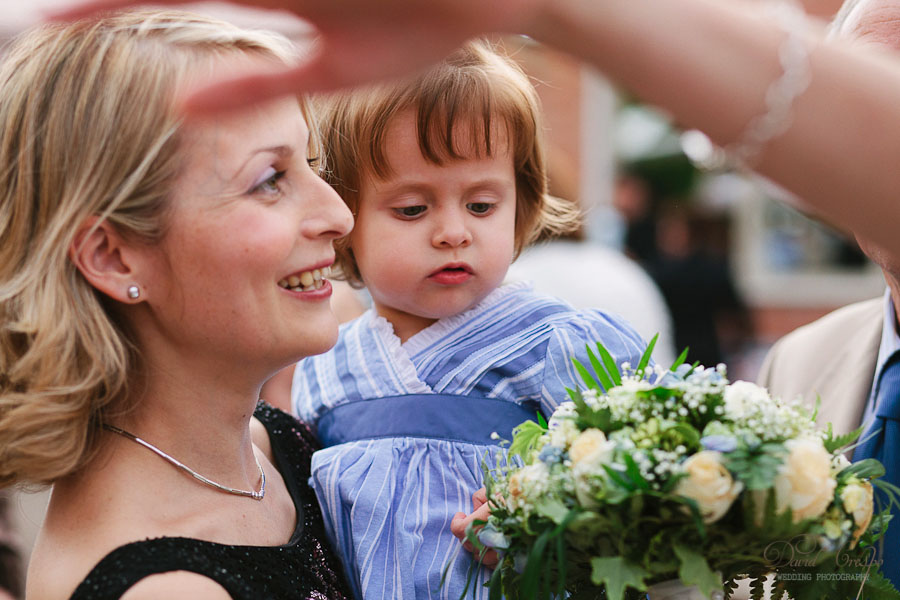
x,y
707,258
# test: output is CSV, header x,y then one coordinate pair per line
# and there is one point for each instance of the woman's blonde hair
x,y
88,127
478,88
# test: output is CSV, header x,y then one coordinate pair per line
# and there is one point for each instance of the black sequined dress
x,y
304,568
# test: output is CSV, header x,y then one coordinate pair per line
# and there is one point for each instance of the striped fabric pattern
x,y
388,502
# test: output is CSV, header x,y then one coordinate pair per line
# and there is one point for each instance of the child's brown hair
x,y
476,86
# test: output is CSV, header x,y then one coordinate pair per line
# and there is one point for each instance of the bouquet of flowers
x,y
650,475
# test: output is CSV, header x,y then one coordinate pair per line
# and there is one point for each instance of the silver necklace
x,y
224,488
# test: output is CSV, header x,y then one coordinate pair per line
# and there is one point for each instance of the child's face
x,y
432,241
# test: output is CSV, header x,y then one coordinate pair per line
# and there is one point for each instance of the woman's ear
x,y
106,260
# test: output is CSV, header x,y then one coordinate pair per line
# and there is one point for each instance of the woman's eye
x,y
269,185
314,163
480,208
410,211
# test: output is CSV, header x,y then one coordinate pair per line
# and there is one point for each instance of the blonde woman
x,y
148,286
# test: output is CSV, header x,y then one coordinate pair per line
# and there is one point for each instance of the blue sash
x,y
434,416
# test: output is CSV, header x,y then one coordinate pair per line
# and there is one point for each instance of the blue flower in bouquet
x,y
492,538
719,443
551,455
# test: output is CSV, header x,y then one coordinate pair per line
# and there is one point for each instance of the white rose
x,y
839,463
804,482
858,501
741,395
710,484
592,446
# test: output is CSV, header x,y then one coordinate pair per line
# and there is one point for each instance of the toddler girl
x,y
445,176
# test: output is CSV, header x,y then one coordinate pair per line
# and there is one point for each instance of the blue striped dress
x,y
390,487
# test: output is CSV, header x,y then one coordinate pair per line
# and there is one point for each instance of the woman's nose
x,y
331,217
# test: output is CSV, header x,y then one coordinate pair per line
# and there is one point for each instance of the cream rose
x,y
591,445
710,484
858,501
804,482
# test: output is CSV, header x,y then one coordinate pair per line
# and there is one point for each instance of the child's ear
x,y
102,255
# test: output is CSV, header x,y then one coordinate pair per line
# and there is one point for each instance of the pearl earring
x,y
134,292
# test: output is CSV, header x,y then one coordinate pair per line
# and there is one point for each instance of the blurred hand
x,y
359,41
459,524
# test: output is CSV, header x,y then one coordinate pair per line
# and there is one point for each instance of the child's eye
x,y
480,208
410,212
269,185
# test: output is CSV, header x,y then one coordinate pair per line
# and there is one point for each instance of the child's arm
x,y
571,340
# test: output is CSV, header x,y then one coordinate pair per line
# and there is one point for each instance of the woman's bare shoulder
x,y
86,520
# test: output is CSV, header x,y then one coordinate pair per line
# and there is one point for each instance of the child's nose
x,y
452,232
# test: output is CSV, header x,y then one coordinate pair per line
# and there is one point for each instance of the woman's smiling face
x,y
249,215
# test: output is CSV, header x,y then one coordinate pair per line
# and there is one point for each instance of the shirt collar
x,y
890,340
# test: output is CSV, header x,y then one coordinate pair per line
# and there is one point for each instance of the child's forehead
x,y
440,139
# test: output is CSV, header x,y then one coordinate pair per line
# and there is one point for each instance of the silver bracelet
x,y
793,54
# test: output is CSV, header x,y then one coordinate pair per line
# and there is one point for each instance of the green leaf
x,y
525,438
604,377
610,363
542,421
694,570
688,433
756,466
680,360
616,573
834,443
645,357
586,376
618,478
495,591
531,577
553,509
868,468
634,473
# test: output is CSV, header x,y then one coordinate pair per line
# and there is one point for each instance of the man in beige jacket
x,y
841,357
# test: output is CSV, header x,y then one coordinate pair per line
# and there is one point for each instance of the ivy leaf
x,y
553,509
694,570
756,466
616,573
834,443
525,438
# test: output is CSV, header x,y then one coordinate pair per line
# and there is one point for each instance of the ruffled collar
x,y
440,328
